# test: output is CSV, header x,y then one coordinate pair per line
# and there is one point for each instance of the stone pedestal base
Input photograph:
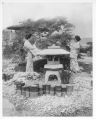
x,y
49,73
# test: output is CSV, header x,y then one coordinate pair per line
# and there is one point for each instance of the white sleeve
x,y
28,45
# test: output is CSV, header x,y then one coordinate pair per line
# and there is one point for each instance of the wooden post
x,y
34,91
58,90
69,89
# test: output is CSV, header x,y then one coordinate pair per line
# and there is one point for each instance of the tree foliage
x,y
47,32
44,32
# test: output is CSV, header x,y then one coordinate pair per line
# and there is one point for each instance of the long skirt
x,y
74,65
29,65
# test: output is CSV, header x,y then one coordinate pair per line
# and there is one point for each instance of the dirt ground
x,y
77,104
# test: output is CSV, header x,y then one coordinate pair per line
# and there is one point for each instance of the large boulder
x,y
26,76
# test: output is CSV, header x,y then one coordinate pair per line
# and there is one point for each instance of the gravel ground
x,y
77,104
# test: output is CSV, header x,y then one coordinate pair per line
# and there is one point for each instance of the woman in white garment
x,y
74,50
32,51
28,46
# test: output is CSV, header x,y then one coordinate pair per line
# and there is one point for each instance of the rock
x,y
26,76
8,108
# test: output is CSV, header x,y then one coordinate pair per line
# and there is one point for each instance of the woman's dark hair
x,y
27,36
77,38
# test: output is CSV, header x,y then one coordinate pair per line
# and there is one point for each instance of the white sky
x,y
79,14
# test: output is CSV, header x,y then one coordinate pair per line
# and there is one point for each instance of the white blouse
x,y
32,48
